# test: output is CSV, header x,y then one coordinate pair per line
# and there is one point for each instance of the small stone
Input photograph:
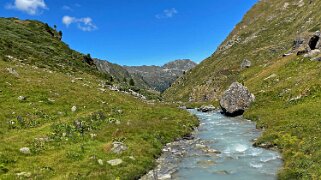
x,y
200,146
93,135
74,109
206,108
21,98
25,150
51,100
222,172
100,162
115,162
206,163
24,174
118,147
212,151
12,71
165,176
120,111
60,113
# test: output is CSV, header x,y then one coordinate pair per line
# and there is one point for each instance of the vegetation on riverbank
x,y
288,108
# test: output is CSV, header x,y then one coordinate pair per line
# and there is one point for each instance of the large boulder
x,y
236,99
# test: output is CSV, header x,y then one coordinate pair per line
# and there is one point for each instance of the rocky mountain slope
x,y
275,52
160,78
120,73
59,118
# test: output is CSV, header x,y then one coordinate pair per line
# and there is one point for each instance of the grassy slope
x,y
265,33
71,152
30,42
291,125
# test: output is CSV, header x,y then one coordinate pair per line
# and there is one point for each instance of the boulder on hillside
x,y
236,99
246,64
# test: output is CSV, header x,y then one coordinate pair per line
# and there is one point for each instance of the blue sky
x,y
136,32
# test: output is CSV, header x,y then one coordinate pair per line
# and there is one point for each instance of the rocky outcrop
x,y
308,45
236,99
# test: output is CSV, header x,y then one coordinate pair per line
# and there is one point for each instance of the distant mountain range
x,y
158,78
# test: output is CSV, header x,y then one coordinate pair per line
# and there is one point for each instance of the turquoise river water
x,y
238,159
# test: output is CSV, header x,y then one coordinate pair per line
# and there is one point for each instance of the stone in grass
x,y
24,174
246,64
115,162
100,162
74,109
12,71
118,147
22,98
25,150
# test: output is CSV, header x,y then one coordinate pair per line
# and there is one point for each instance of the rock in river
x,y
206,108
236,99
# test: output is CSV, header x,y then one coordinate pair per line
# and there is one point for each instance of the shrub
x,y
131,82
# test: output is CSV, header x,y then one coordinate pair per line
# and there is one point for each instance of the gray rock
x,y
236,99
25,150
312,53
22,98
115,162
12,71
74,109
118,147
206,108
316,58
100,162
24,174
206,163
297,43
246,64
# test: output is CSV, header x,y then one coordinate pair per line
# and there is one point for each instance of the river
x,y
220,149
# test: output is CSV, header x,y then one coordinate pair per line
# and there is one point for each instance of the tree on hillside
x,y
60,35
48,29
131,82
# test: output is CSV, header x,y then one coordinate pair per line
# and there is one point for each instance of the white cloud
x,y
31,7
167,13
84,24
